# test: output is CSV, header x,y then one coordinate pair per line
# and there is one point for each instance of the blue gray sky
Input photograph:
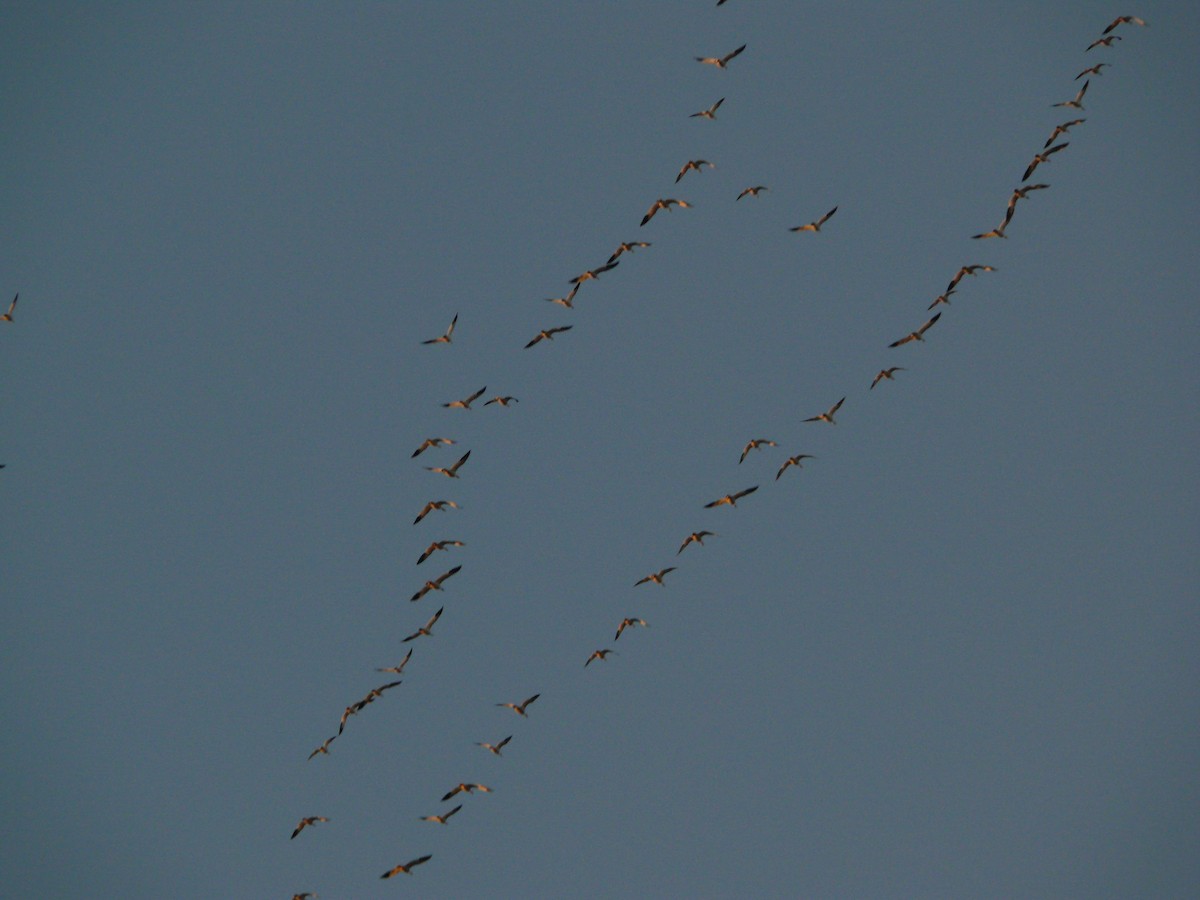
x,y
954,655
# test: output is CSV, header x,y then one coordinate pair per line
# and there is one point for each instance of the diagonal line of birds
x,y
822,229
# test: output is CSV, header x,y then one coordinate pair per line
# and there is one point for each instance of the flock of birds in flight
x,y
1021,192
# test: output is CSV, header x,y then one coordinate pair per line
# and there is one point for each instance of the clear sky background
x,y
953,656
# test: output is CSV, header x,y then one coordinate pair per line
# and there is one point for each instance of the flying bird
x,y
754,445
889,374
662,203
1043,157
1119,20
438,545
307,895
828,415
732,499
431,442
793,461
407,867
629,622
720,61
696,537
519,708
431,506
435,585
494,749
465,404
710,113
918,334
598,654
451,472
8,316
445,338
503,401
997,232
306,821
693,165
547,334
1020,193
1093,70
1076,103
468,788
655,577
965,270
441,820
567,300
752,191
627,247
426,630
376,693
593,274
942,298
324,748
815,226
398,670
1103,42
1061,129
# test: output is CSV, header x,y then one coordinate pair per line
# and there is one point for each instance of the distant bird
x,y
307,895
889,374
942,298
1077,102
1041,158
306,821
629,622
503,401
627,247
1103,42
1119,20
435,585
754,445
445,338
519,708
324,748
793,461
8,316
407,867
426,630
398,670
441,820
1061,129
655,577
693,165
917,335
352,710
827,416
494,749
465,404
710,113
815,226
567,300
966,270
431,442
752,191
547,334
1093,70
662,203
467,788
438,545
598,654
696,537
376,693
431,506
452,471
720,61
997,232
593,274
731,499
1020,193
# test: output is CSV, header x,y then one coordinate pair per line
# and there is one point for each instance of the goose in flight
x,y
306,821
567,300
696,537
655,577
598,654
997,232
1103,42
324,748
307,895
445,338
1043,157
720,61
710,113
465,404
793,461
1119,20
754,445
1093,70
426,630
441,820
1061,129
503,401
593,274
966,270
8,316
438,545
731,499
828,415
815,226
917,335
942,298
629,622
462,787
435,585
376,693
519,708
627,247
407,867
1076,103
889,374
494,749
431,442
547,334
662,203
452,471
693,165
431,506
398,670
752,191
1020,193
